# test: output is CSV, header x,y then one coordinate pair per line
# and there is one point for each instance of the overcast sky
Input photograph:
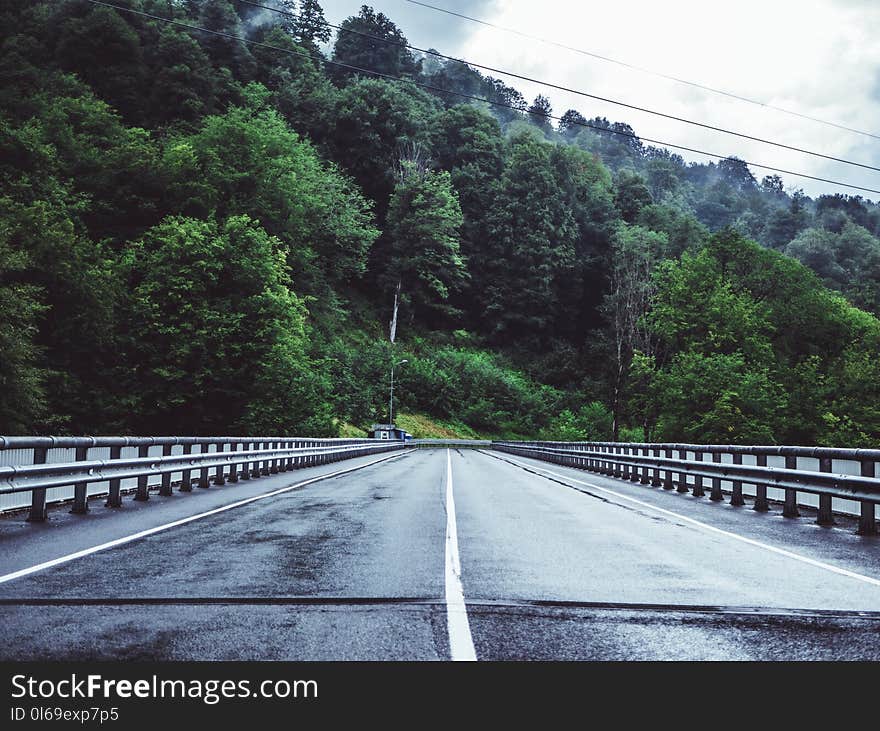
x,y
820,59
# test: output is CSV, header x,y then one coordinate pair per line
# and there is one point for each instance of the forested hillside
x,y
201,235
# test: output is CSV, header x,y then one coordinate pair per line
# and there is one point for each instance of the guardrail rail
x,y
42,463
450,443
670,465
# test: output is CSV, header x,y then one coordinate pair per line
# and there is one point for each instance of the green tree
x,y
591,423
375,121
310,29
371,41
65,353
539,113
715,399
584,188
468,143
301,91
631,194
750,345
216,339
683,231
424,220
248,161
662,178
105,51
784,223
184,88
22,377
633,257
532,238
571,123
226,51
736,173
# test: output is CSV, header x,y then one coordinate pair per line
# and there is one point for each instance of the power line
x,y
470,97
644,70
578,92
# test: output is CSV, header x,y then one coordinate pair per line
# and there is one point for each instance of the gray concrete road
x,y
551,562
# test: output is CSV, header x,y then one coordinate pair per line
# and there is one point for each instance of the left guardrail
x,y
214,460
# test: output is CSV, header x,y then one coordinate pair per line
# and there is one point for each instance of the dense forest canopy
x,y
201,235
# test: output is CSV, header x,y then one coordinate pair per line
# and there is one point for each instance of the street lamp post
x,y
391,397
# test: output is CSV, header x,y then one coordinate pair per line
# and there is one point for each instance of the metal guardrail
x,y
645,463
451,443
257,456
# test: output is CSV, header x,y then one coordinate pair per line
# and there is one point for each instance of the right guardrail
x,y
658,465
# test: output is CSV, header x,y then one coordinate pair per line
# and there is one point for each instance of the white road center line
x,y
183,521
461,644
710,528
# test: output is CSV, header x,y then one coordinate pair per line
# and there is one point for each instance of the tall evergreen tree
x,y
310,28
371,41
539,113
219,15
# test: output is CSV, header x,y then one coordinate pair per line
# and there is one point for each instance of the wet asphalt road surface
x,y
555,564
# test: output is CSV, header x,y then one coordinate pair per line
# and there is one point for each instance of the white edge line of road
x,y
183,521
712,529
461,644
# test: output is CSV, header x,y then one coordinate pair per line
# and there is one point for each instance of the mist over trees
x,y
199,235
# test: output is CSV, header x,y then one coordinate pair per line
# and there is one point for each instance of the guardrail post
x,y
790,510
716,494
288,463
233,468
204,481
273,468
762,505
143,490
39,513
80,489
867,518
255,466
646,477
186,484
698,479
682,476
245,467
737,497
825,517
165,487
617,465
219,477
667,474
264,470
655,480
114,498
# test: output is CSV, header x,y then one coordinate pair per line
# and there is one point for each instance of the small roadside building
x,y
387,431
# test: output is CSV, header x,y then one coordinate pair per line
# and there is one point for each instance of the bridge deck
x,y
555,563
